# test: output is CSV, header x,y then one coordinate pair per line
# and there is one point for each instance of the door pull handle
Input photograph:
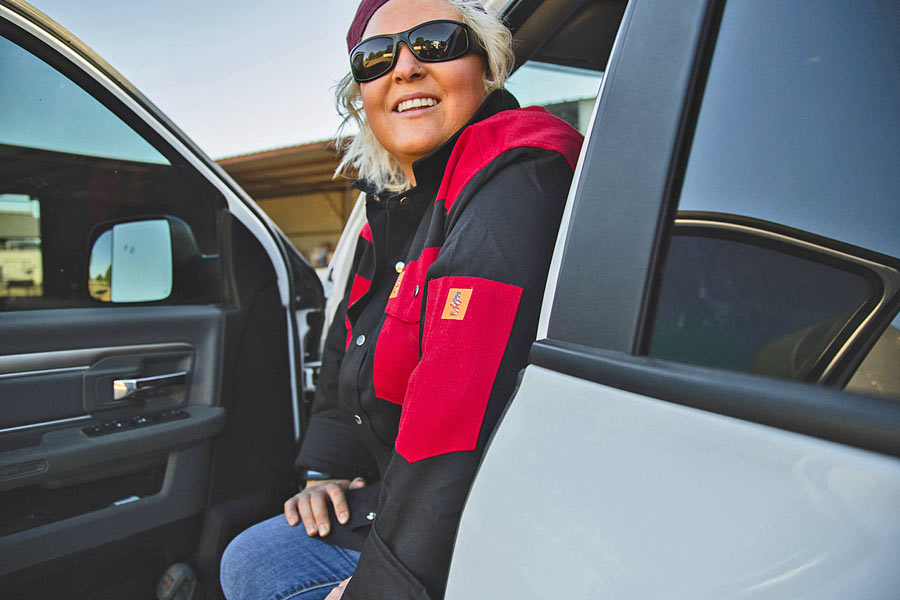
x,y
124,389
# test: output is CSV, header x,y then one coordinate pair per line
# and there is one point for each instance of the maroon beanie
x,y
365,11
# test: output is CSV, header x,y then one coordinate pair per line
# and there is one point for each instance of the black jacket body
x,y
423,355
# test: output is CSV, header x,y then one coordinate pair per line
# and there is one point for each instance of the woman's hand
x,y
310,504
338,592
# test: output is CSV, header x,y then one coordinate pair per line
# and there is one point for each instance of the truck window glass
x,y
796,145
70,163
567,92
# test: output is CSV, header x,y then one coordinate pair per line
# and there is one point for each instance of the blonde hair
x,y
363,152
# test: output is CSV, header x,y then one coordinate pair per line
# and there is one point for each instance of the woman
x,y
464,198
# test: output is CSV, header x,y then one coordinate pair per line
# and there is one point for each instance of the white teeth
x,y
416,103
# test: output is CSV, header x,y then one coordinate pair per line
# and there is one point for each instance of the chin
x,y
419,148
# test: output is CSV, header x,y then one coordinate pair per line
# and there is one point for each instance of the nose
x,y
407,67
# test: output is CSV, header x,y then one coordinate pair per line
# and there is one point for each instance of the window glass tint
x,y
40,108
738,304
798,123
71,162
796,136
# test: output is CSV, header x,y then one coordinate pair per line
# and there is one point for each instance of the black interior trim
x,y
575,33
684,137
69,450
855,420
585,39
183,494
135,563
618,209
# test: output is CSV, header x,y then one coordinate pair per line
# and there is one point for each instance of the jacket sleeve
x,y
330,443
479,319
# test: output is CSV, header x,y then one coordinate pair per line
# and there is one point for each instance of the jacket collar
x,y
430,168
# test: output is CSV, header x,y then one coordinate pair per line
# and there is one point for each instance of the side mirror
x,y
132,262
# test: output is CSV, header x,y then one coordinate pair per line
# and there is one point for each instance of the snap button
x,y
361,340
370,516
399,266
416,291
358,419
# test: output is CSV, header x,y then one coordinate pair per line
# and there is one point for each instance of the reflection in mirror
x,y
100,270
132,262
141,261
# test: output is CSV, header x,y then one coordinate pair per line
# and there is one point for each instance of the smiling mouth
x,y
416,103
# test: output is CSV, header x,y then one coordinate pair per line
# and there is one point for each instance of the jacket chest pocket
x,y
397,348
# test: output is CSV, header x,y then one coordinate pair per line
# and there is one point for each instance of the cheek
x,y
370,95
372,100
468,91
475,69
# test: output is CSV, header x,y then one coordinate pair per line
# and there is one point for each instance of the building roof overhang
x,y
302,170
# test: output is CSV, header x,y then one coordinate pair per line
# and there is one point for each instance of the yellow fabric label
x,y
457,303
397,285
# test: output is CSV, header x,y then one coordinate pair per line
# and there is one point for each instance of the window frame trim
x,y
643,152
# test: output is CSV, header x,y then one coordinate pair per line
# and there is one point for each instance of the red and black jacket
x,y
423,357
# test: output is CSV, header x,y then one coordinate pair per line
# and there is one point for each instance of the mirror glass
x,y
132,262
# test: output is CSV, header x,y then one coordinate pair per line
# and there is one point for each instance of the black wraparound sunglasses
x,y
432,41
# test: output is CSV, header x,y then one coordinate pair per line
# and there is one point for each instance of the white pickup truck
x,y
712,406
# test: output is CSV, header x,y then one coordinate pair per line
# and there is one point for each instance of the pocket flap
x,y
405,301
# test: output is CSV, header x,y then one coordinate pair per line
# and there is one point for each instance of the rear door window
x,y
741,297
783,258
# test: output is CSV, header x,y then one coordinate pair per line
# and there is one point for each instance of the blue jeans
x,y
274,561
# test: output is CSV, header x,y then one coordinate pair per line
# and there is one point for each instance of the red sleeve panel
x,y
467,325
366,232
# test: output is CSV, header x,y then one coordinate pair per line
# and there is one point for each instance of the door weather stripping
x,y
45,424
42,372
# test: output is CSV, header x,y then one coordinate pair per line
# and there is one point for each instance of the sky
x,y
237,77
240,77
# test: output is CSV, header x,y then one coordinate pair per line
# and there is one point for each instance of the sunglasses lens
x,y
373,58
439,41
431,42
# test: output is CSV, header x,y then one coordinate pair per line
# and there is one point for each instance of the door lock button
x,y
117,425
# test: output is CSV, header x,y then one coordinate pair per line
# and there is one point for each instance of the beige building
x,y
21,271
